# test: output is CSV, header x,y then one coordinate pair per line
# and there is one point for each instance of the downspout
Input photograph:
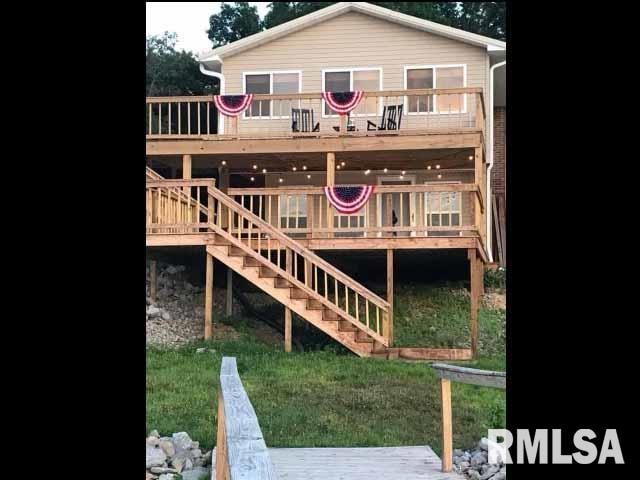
x,y
220,78
488,189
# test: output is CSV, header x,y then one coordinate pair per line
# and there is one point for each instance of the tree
x,y
172,72
233,23
484,18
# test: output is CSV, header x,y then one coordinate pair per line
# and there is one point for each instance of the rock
x,y
171,270
464,466
457,452
201,350
196,473
188,464
195,444
153,311
154,433
168,448
206,459
166,316
155,457
196,453
160,470
473,475
478,459
489,472
167,476
501,475
153,441
483,444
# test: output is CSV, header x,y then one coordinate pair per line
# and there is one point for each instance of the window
x,y
442,209
366,79
293,211
446,76
271,83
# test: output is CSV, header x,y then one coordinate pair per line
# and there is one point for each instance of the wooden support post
x,y
310,215
287,311
223,179
390,293
447,430
229,305
474,282
153,287
186,167
331,180
208,299
222,466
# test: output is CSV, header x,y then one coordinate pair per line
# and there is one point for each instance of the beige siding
x,y
353,40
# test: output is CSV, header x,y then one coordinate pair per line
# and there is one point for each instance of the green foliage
x,y
235,21
496,279
314,399
172,72
484,18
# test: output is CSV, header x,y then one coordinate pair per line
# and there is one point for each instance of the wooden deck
x,y
398,463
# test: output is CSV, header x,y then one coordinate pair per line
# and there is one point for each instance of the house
x,y
249,188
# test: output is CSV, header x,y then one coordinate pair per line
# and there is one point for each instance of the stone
x,y
457,452
167,476
483,444
478,459
499,476
166,316
154,433
153,441
464,466
160,470
195,445
201,350
171,270
188,464
196,473
178,463
473,475
489,472
153,311
155,457
168,448
182,441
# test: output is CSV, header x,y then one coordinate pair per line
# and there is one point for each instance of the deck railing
x,y
423,111
392,211
178,206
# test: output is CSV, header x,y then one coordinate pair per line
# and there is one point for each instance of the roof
x,y
213,58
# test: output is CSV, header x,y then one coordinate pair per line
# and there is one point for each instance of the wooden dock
x,y
397,463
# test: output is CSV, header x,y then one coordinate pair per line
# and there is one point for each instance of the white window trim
x,y
270,73
435,85
351,70
425,205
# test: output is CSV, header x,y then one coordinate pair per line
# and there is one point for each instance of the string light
x,y
401,177
470,157
280,180
439,175
385,170
308,177
224,162
428,167
264,170
342,163
404,172
253,179
255,167
304,167
437,167
367,171
338,167
294,169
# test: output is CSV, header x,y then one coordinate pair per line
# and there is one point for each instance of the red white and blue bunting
x,y
342,102
232,105
348,199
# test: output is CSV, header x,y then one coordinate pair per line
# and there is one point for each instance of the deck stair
x,y
299,279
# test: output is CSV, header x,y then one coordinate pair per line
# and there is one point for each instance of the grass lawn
x,y
329,398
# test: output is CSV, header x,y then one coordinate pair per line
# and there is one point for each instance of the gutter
x,y
488,189
220,77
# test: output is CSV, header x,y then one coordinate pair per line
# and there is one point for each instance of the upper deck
x,y
423,119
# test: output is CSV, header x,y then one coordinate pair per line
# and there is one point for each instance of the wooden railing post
x,y
287,311
331,181
310,215
474,280
390,295
208,299
447,429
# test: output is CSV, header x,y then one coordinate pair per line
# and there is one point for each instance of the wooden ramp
x,y
398,463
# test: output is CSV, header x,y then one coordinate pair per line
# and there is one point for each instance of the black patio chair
x,y
391,118
302,120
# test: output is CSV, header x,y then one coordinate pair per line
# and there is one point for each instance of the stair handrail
x,y
155,176
301,250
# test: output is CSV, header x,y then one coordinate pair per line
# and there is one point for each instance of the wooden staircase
x,y
298,278
280,266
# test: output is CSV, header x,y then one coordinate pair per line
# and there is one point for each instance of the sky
x,y
190,20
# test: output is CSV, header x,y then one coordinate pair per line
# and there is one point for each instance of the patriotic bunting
x,y
342,102
232,105
348,199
